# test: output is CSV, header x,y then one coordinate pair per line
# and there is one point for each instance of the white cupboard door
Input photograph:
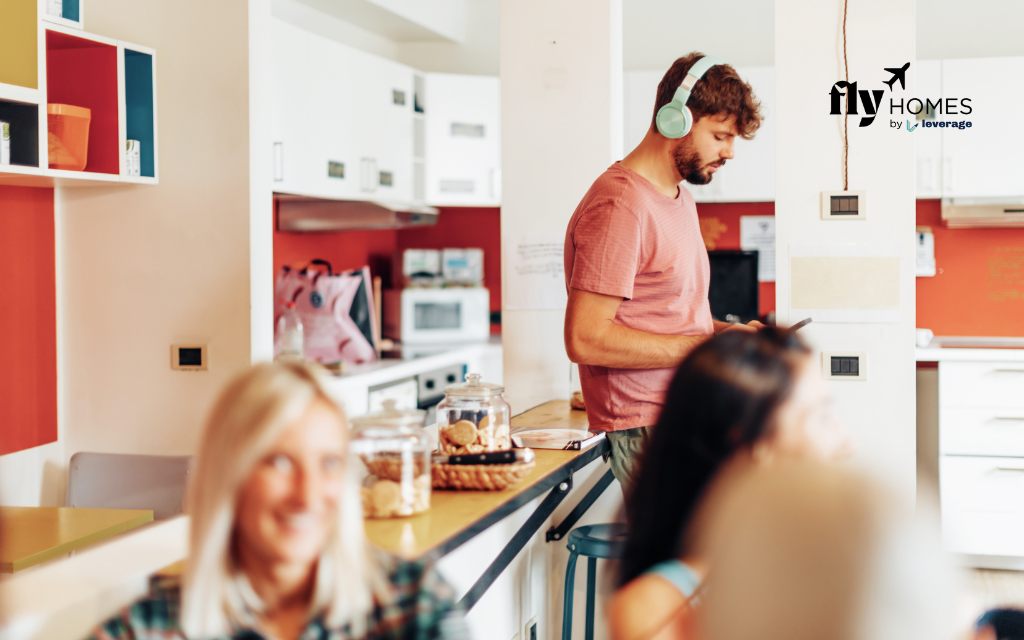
x,y
389,100
982,505
984,160
333,165
927,141
290,90
463,139
982,385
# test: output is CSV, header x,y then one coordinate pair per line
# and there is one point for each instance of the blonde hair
x,y
248,417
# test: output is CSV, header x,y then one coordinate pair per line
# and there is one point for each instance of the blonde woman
x,y
277,546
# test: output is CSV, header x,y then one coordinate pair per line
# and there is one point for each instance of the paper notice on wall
x,y
534,272
757,233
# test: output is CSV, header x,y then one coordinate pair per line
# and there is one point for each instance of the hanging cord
x,y
846,135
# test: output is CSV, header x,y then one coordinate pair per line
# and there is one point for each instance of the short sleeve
x,y
607,244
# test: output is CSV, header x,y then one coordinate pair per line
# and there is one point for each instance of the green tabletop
x,y
30,535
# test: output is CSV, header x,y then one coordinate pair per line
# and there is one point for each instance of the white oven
x,y
424,316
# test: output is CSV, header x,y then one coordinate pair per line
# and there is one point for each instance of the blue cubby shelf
x,y
140,108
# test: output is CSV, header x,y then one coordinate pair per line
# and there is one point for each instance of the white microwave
x,y
430,316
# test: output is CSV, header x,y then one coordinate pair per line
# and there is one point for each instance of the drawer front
x,y
983,432
982,505
981,384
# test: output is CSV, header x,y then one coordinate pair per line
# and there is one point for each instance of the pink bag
x,y
336,311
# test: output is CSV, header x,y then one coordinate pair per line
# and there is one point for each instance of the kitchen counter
x,y
972,349
351,387
455,517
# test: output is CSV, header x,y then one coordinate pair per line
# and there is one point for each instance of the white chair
x,y
127,481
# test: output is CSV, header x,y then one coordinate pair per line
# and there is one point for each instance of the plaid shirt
x,y
423,608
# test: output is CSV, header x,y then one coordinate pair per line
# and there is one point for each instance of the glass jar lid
x,y
473,387
391,416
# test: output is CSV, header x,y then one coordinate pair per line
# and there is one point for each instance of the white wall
x,y
148,266
808,60
561,74
561,127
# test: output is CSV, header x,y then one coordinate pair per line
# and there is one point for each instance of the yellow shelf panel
x,y
19,49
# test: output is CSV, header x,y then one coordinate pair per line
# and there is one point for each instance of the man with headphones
x,y
636,268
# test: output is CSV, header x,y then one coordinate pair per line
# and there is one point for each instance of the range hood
x,y
973,213
304,214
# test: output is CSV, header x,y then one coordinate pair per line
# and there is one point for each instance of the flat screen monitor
x,y
734,287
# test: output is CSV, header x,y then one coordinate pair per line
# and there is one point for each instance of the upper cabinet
x,y
750,175
342,120
463,139
928,143
984,160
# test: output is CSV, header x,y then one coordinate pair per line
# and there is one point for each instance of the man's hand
x,y
751,327
593,337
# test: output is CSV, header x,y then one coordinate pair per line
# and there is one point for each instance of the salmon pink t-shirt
x,y
627,239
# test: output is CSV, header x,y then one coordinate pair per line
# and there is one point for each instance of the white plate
x,y
548,438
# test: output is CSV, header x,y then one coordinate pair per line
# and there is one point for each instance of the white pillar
x,y
561,106
808,158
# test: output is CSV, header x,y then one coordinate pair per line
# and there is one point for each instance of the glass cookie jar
x,y
473,418
395,451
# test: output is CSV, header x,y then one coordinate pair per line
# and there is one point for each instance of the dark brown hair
x,y
719,91
722,399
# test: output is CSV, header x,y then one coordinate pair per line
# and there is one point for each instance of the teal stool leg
x,y
591,588
570,580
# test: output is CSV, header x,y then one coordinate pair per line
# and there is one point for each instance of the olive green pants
x,y
624,454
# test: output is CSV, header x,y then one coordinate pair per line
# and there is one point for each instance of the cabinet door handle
x,y
1017,469
1009,419
1011,371
278,161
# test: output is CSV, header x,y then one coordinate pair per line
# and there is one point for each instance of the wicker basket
x,y
478,477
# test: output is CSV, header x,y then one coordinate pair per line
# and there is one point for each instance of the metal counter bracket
x,y
518,541
559,532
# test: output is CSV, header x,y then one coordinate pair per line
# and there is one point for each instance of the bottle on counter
x,y
289,327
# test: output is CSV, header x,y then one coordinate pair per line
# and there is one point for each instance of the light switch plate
x,y
844,205
532,630
844,365
189,357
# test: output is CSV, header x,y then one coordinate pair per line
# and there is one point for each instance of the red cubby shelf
x,y
83,72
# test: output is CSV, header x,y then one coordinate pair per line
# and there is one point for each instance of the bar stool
x,y
593,541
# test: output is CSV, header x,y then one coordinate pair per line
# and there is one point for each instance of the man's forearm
x,y
619,347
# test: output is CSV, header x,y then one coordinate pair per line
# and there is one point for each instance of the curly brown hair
x,y
719,91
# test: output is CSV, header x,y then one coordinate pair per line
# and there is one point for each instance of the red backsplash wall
x,y
456,227
978,288
28,320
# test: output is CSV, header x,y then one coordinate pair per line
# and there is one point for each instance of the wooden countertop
x,y
456,516
31,535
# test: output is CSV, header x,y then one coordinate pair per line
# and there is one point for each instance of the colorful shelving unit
x,y
55,61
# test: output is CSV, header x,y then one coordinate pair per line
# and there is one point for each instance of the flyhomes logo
x,y
871,103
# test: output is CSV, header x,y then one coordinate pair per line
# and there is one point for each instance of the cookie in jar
x,y
473,418
395,454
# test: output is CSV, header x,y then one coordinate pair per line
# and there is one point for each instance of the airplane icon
x,y
897,74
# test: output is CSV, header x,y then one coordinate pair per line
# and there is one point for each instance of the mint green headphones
x,y
674,120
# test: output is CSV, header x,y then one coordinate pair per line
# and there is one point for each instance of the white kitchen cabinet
x,y
342,120
985,159
928,141
981,461
289,121
982,505
462,116
750,175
